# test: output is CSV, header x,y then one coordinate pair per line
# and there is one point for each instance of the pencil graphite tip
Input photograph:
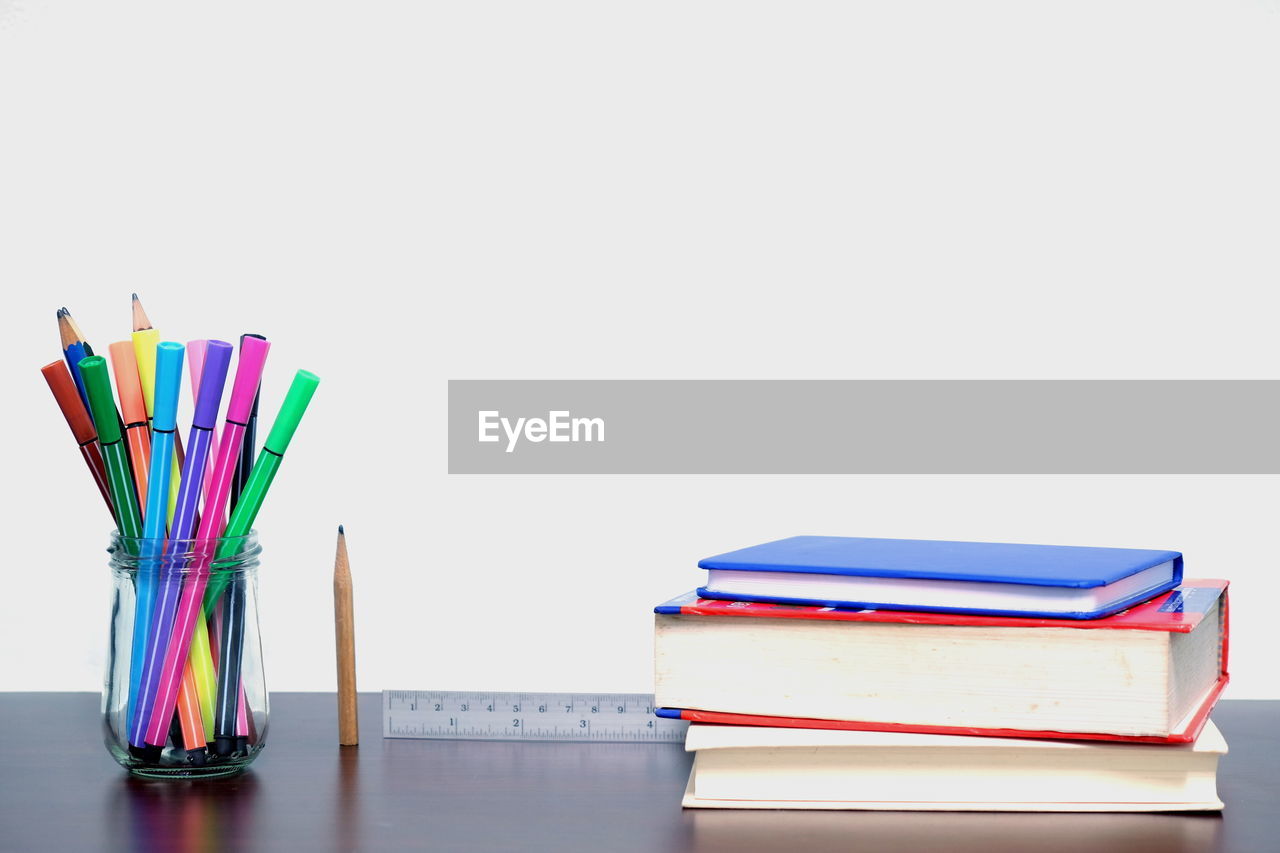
x,y
140,319
341,532
67,329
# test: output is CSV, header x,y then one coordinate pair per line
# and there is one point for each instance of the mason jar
x,y
184,693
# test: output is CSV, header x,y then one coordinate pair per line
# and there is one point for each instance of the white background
x,y
398,194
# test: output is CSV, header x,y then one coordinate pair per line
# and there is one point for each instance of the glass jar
x,y
184,694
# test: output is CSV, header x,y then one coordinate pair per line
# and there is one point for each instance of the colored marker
x,y
69,401
253,355
228,724
135,416
190,720
247,450
215,637
145,340
119,482
203,672
196,349
168,380
212,379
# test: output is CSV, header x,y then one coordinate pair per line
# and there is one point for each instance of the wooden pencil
x,y
145,340
345,634
140,320
74,349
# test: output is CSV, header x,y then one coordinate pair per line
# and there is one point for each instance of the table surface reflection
x,y
61,790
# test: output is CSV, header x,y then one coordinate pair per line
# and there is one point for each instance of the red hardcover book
x,y
1178,611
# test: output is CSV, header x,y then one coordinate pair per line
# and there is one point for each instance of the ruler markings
x,y
599,717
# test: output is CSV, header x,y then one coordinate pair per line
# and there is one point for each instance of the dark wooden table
x,y
60,790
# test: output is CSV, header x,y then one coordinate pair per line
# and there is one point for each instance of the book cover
x,y
1061,581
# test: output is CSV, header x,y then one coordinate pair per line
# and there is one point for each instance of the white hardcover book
x,y
755,767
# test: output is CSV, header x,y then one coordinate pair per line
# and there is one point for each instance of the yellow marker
x,y
201,662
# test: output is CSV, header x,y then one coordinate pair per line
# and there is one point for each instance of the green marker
x,y
230,732
119,480
260,478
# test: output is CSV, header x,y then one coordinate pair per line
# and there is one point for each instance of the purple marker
x,y
212,379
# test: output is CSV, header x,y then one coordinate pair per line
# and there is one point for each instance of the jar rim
x,y
250,537
227,553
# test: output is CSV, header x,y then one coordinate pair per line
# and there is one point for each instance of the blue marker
x,y
164,428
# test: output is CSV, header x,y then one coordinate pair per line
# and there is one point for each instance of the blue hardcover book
x,y
1055,581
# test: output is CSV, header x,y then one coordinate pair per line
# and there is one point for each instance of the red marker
x,y
68,397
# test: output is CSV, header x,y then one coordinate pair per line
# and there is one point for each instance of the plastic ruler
x,y
599,717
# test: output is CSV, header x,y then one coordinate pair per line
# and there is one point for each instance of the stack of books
x,y
843,673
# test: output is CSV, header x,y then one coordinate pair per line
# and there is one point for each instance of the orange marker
x,y
193,736
134,412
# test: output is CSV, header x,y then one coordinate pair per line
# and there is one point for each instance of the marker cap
x,y
168,383
93,370
256,397
213,377
253,355
125,366
291,411
64,391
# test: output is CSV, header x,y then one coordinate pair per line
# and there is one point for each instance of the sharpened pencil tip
x,y
341,532
140,320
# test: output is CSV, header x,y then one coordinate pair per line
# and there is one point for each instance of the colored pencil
x,y
168,380
253,356
136,432
74,348
141,322
119,482
145,339
213,378
69,401
246,510
344,629
248,451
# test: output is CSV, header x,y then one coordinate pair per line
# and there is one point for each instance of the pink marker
x,y
195,361
242,719
253,355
